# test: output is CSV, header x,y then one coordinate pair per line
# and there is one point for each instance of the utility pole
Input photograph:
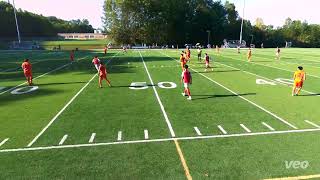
x,y
208,31
15,16
244,2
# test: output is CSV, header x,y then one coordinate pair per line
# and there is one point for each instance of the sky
x,y
273,12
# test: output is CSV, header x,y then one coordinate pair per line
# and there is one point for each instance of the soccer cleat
x,y
189,98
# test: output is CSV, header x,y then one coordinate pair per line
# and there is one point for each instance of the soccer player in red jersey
x,y
188,54
207,60
72,56
186,79
27,70
103,74
105,50
182,61
96,62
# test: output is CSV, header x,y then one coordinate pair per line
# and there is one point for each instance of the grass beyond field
x,y
242,123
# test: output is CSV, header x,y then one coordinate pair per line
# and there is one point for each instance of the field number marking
x,y
143,85
278,80
24,90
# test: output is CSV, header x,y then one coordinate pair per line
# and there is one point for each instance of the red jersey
x,y
182,59
207,59
186,75
95,61
26,66
102,70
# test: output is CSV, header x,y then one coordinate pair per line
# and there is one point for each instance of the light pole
x,y
244,2
15,16
208,31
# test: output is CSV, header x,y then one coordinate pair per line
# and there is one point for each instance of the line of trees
x,y
33,25
190,21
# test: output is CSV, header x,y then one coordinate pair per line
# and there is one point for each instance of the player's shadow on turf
x,y
220,96
209,71
61,83
316,94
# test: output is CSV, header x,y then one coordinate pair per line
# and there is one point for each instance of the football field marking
x,y
313,124
64,138
160,140
146,134
245,99
93,135
182,159
222,130
119,136
158,98
56,69
268,126
245,128
4,141
63,109
197,131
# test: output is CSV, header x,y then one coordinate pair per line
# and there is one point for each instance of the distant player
x,y
262,45
299,77
188,54
103,75
217,49
249,55
199,54
278,53
96,62
182,60
27,70
72,56
186,79
124,49
207,61
105,50
238,49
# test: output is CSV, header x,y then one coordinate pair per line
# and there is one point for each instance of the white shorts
x,y
186,85
97,66
277,54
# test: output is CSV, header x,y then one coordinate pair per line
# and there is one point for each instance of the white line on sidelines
x,y
258,106
158,98
245,128
93,135
119,136
197,131
313,124
146,134
159,140
61,111
268,126
56,69
222,130
3,142
63,139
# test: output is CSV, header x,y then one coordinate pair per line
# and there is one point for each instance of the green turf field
x,y
73,44
242,122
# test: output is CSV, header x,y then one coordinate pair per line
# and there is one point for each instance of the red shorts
x,y
28,74
103,76
298,84
188,56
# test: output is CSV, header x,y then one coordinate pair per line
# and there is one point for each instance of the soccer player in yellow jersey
x,y
249,55
299,77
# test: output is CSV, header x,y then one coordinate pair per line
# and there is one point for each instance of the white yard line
x,y
119,136
245,128
313,124
268,126
56,69
159,140
159,100
222,130
64,138
63,109
93,135
197,131
245,99
3,142
146,134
